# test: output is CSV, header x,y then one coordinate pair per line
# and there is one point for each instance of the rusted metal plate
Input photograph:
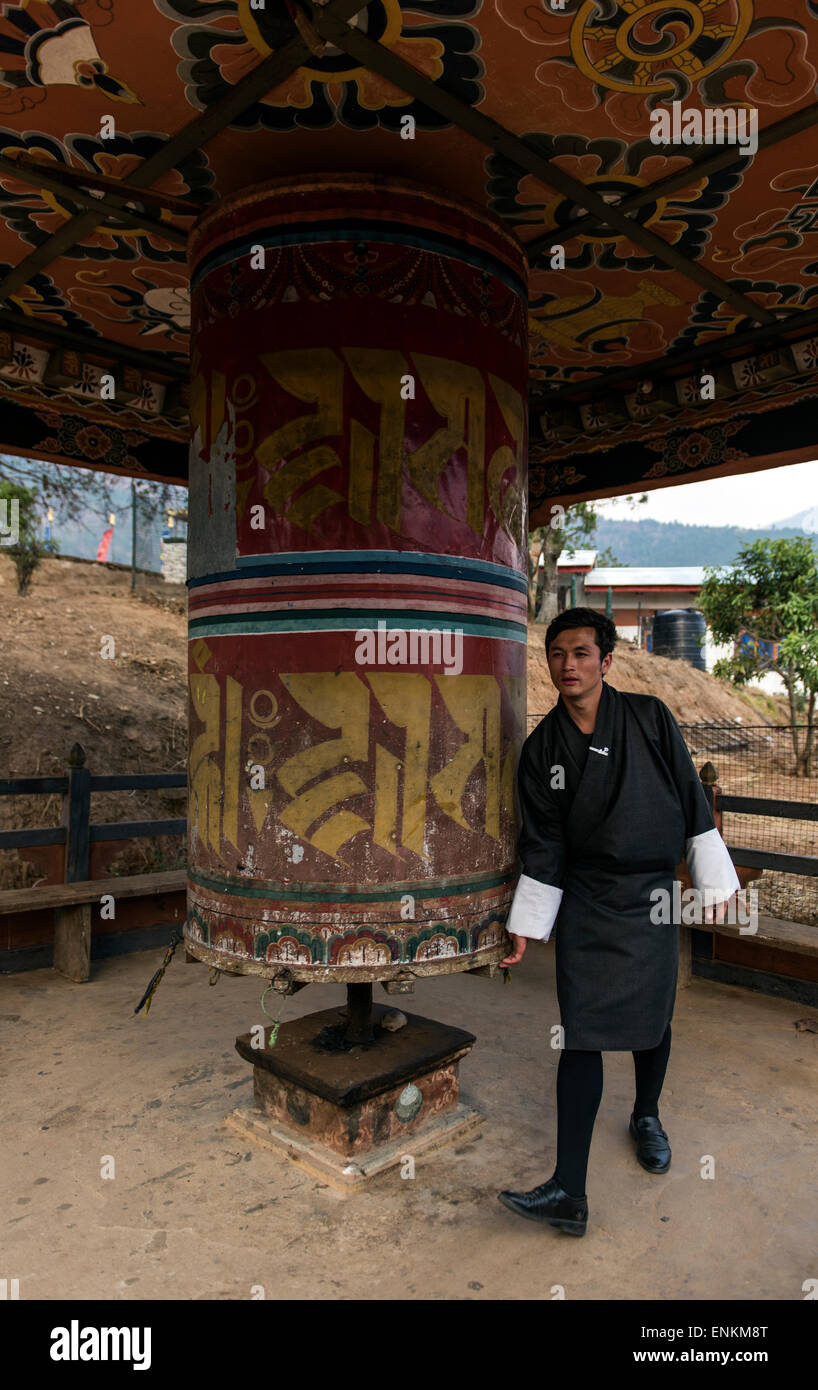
x,y
357,669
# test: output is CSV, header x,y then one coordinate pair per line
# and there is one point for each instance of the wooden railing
x,y
806,864
77,832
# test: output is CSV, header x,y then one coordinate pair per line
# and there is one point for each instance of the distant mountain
x,y
678,543
632,542
807,520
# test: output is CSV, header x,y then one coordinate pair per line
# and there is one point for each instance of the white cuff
x,y
534,909
710,865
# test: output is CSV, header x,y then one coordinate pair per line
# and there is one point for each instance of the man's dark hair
x,y
604,628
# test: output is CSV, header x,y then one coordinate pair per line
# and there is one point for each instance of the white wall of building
x,y
771,683
174,562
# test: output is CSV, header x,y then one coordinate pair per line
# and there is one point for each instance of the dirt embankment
x,y
127,710
692,696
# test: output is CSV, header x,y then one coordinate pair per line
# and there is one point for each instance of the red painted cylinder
x,y
357,580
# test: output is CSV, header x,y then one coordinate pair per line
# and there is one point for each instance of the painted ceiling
x,y
539,112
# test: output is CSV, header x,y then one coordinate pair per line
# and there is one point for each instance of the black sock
x,y
579,1091
650,1067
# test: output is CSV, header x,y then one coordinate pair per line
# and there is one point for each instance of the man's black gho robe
x,y
595,848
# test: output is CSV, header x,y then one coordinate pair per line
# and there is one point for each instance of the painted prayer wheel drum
x,y
357,581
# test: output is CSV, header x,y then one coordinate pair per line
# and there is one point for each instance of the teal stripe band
x,y
316,892
324,620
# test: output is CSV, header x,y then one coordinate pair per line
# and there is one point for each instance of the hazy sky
x,y
751,499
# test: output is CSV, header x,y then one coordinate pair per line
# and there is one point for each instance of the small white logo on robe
x,y
603,751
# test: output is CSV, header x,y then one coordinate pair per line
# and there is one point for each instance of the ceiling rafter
x,y
683,178
118,188
489,132
269,73
108,203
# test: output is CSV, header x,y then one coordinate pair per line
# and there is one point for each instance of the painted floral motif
x,y
27,363
42,299
595,70
36,214
74,438
342,949
333,89
614,170
682,451
710,316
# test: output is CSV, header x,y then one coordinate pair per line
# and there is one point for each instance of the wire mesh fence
x,y
760,761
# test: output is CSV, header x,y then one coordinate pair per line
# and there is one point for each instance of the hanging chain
x,y
271,1040
151,990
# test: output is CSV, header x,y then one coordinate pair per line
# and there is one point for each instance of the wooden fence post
x,y
709,780
72,928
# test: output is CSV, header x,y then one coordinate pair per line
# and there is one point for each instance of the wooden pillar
x,y
72,930
72,942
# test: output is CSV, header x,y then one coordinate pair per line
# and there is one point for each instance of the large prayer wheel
x,y
357,580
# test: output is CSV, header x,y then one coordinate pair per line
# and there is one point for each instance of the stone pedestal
x,y
348,1115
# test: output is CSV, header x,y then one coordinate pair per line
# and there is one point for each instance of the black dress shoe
x,y
549,1203
652,1148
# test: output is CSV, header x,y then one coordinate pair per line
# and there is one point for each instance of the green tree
x,y
770,594
71,491
568,529
26,550
87,495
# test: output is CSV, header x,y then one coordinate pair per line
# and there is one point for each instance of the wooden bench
x,y
797,937
746,874
72,910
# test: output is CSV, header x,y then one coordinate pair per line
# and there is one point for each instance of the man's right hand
x,y
519,945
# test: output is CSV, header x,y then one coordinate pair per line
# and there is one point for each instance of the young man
x,y
610,803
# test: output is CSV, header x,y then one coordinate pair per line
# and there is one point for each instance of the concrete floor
x,y
195,1212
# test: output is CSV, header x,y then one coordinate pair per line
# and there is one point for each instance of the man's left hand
x,y
716,912
519,944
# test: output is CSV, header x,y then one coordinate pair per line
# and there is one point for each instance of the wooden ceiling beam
x,y
54,335
683,178
107,204
269,73
489,132
117,189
